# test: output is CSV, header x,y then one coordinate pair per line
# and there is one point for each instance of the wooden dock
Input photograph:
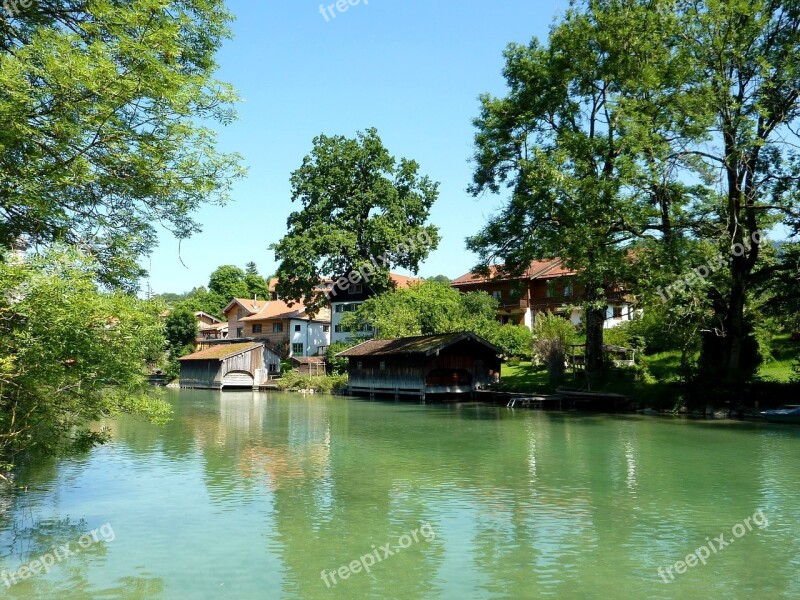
x,y
563,399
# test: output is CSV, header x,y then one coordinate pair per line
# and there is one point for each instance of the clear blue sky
x,y
411,68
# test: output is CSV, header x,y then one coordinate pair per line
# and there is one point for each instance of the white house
x,y
349,299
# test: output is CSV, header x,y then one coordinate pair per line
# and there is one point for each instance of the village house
x,y
450,363
210,327
287,328
547,285
350,298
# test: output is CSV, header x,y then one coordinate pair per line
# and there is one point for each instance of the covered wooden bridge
x,y
239,365
451,363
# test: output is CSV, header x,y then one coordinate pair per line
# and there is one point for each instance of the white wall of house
x,y
528,318
617,314
307,337
339,310
624,312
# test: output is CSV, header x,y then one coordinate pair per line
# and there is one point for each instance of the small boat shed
x,y
451,363
239,365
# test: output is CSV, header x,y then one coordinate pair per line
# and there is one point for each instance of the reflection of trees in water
x,y
26,541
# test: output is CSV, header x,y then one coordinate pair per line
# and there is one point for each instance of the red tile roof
x,y
538,269
403,281
279,310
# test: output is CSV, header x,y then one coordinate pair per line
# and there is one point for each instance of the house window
x,y
339,329
339,308
326,329
297,349
567,291
257,328
277,328
383,365
355,288
239,313
551,289
239,332
617,312
497,295
298,328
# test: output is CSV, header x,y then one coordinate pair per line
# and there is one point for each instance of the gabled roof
x,y
222,351
538,269
214,327
309,360
423,345
280,310
200,313
264,310
251,306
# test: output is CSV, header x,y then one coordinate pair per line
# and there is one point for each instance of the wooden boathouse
x,y
239,365
451,363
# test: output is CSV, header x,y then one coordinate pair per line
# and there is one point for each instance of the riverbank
x,y
662,390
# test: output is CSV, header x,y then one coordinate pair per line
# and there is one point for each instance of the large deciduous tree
x,y
746,78
568,143
665,123
361,211
102,105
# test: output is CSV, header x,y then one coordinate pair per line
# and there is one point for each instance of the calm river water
x,y
249,495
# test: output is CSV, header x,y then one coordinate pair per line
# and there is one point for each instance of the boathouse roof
x,y
424,345
222,351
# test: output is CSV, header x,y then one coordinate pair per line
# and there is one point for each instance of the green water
x,y
247,495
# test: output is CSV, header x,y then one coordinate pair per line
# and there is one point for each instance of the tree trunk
x,y
595,317
735,325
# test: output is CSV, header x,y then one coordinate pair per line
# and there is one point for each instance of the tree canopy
x,y
360,209
616,137
102,105
70,355
430,308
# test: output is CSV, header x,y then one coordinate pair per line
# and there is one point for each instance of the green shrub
x,y
514,340
552,336
337,365
513,361
292,381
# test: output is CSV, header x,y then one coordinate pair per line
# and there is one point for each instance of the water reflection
x,y
246,493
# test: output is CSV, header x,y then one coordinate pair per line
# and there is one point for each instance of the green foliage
x,y
440,279
652,123
360,208
552,336
777,286
336,365
180,329
70,355
104,106
293,381
514,340
228,282
565,141
425,309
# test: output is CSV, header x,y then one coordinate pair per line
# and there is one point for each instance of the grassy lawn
x,y
784,353
523,378
665,368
